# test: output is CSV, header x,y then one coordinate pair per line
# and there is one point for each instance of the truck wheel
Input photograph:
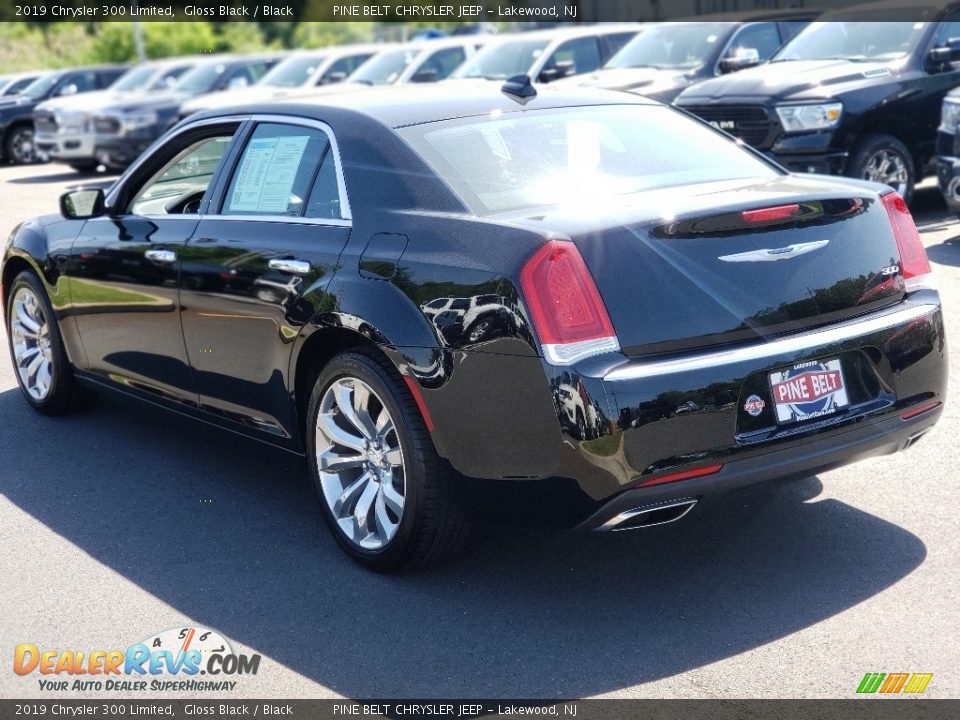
x,y
883,159
19,146
382,489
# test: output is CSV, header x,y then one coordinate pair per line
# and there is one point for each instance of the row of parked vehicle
x,y
846,92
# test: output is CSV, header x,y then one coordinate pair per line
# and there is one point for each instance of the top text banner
x,y
431,11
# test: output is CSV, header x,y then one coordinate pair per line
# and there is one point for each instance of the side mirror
x,y
70,89
333,77
742,58
237,83
424,76
939,56
557,71
82,204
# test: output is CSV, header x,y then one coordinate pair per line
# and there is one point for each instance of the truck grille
x,y
750,123
106,125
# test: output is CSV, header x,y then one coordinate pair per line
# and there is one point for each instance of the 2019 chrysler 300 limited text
x,y
288,271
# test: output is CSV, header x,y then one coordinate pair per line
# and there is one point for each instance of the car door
x,y
254,272
123,266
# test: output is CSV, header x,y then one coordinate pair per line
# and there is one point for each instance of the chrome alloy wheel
x,y
22,150
887,167
32,352
360,463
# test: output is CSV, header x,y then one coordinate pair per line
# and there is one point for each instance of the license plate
x,y
808,390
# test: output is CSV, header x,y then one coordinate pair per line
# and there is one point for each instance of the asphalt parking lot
x,y
124,521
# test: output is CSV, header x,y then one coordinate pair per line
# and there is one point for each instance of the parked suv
x,y
16,111
298,73
667,58
548,55
126,128
856,94
64,127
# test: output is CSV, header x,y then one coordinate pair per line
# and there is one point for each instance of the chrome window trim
x,y
850,330
346,216
296,219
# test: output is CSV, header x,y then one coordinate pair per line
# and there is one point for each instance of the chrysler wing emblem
x,y
769,254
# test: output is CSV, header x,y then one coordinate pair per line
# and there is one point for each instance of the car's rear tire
x,y
39,358
18,146
883,158
382,490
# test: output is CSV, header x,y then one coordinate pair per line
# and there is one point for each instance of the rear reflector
x,y
565,306
685,475
919,410
914,265
418,398
779,212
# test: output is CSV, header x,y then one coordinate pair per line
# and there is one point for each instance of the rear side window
x,y
278,171
581,156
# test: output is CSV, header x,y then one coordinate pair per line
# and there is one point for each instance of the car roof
x,y
400,106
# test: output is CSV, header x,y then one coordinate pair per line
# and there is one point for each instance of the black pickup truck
x,y
856,94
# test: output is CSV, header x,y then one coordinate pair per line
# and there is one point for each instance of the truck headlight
x,y
799,118
139,120
950,116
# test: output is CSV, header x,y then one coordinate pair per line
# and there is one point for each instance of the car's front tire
x,y
381,487
40,361
19,146
883,158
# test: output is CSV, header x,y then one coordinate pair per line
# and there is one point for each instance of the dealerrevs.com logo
x,y
191,659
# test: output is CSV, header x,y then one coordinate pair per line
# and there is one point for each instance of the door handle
x,y
294,267
164,256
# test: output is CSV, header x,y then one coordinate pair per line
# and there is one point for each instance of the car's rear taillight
x,y
914,265
565,306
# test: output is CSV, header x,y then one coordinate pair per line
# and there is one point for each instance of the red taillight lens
x,y
565,306
780,212
684,475
913,256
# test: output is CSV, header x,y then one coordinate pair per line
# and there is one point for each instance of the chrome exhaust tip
x,y
649,515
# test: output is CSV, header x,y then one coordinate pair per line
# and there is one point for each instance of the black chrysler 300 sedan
x,y
576,307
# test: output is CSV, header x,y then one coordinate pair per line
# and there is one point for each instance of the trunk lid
x,y
679,271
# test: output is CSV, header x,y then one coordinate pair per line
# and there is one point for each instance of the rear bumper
x,y
497,417
818,454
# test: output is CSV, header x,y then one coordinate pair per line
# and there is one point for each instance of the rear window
x,y
583,155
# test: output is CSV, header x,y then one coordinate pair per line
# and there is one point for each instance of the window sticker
x,y
267,173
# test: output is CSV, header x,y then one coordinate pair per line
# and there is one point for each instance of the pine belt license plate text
x,y
808,390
